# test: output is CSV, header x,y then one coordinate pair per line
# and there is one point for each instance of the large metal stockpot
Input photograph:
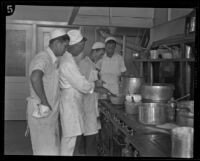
x,y
130,84
157,92
153,113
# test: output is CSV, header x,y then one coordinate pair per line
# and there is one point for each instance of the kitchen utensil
x,y
153,113
182,142
178,99
131,84
119,100
157,92
131,107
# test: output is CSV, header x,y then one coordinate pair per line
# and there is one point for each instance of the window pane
x,y
15,53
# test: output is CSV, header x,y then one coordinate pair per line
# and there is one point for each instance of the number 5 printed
x,y
10,9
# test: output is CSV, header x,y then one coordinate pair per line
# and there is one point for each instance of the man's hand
x,y
46,104
101,90
99,83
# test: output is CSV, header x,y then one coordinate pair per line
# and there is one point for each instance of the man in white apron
x,y
111,66
90,101
73,85
44,91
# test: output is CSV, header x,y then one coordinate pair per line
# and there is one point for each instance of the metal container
x,y
182,142
131,107
188,51
130,84
184,118
186,104
157,92
153,113
192,24
154,54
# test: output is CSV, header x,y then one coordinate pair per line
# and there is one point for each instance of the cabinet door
x,y
18,51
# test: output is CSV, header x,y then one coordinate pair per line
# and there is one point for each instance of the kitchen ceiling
x,y
112,16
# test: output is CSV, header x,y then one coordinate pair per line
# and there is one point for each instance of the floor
x,y
15,142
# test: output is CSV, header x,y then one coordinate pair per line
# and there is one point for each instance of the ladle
x,y
181,97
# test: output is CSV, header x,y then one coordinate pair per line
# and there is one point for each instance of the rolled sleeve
x,y
40,62
69,73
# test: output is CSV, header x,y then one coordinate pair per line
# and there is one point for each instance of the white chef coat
x,y
111,69
73,84
90,101
44,131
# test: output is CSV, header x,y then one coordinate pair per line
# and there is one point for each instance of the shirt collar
x,y
52,55
105,56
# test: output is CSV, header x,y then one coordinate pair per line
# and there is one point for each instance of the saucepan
x,y
153,113
157,92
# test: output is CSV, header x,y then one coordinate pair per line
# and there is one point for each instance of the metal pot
x,y
130,84
131,107
153,113
157,92
182,142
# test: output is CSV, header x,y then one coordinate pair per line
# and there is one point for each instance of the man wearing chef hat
x,y
42,110
111,66
90,101
73,85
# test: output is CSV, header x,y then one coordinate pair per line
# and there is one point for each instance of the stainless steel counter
x,y
149,142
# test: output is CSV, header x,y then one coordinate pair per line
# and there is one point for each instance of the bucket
x,y
182,142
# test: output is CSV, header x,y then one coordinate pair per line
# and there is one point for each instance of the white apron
x,y
71,112
72,85
90,101
44,131
111,69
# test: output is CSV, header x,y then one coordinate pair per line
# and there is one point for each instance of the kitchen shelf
x,y
175,40
165,60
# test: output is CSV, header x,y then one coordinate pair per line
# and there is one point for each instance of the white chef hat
x,y
110,38
75,36
98,45
57,33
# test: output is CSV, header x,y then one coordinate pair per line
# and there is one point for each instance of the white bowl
x,y
137,97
